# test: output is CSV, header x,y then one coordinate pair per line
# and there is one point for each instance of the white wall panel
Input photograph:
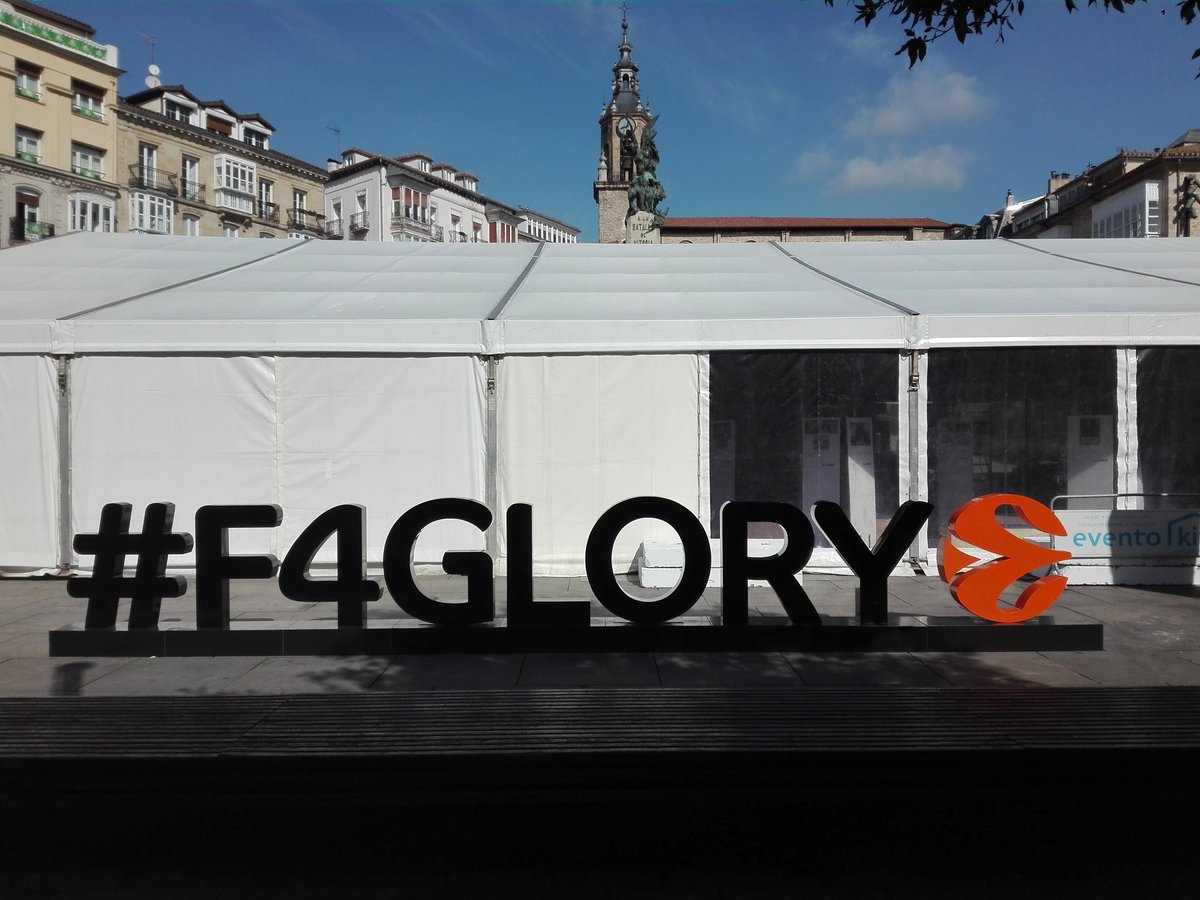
x,y
189,430
29,490
384,432
578,434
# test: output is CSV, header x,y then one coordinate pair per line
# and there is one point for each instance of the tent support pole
x,y
63,365
491,473
917,392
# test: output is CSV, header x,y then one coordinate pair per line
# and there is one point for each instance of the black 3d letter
x,y
872,566
522,608
475,564
697,560
351,590
779,571
215,567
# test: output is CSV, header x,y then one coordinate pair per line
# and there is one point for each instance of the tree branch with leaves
x,y
925,21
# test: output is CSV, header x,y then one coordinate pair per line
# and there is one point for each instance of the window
x,y
191,226
91,214
29,81
32,229
192,189
220,126
235,184
229,231
299,199
29,144
266,201
178,112
87,100
150,212
87,161
235,175
147,171
410,204
255,138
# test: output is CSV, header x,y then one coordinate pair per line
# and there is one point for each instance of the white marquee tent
x,y
308,374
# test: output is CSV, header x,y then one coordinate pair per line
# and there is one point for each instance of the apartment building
x,y
57,128
536,226
199,167
414,198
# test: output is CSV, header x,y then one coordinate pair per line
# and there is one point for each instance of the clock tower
x,y
622,122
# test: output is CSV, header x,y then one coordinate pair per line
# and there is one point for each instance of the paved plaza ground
x,y
1126,832
1151,635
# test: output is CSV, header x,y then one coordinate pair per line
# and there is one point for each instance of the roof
x,y
526,211
156,92
753,223
47,15
128,293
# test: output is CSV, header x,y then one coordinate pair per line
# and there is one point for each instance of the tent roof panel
x,y
139,293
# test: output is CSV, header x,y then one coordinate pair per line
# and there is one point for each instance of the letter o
x,y
1153,538
697,560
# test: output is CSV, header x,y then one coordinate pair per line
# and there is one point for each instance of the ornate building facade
x,y
58,169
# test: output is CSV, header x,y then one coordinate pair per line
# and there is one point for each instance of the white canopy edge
x,y
146,294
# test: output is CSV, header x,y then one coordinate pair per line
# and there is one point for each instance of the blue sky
x,y
783,108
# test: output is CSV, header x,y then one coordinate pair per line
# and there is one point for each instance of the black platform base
x,y
902,633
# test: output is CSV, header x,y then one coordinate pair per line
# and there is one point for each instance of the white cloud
x,y
936,167
916,100
813,164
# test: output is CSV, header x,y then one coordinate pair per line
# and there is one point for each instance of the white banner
x,y
1129,533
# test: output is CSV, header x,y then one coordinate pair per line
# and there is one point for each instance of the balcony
x,y
28,93
28,156
193,191
333,229
268,212
305,219
148,179
21,230
88,173
412,226
88,112
359,223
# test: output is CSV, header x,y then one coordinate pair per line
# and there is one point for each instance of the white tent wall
x,y
578,434
307,433
29,463
386,433
191,430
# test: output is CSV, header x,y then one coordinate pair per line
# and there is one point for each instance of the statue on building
x,y
646,192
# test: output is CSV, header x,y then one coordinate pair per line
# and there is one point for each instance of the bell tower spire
x,y
623,120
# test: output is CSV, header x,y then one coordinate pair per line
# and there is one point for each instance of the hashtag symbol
x,y
149,584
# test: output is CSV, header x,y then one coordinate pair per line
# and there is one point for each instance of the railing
x,y
150,179
359,223
305,218
27,156
412,221
28,93
333,229
22,230
439,233
88,173
192,190
88,112
268,212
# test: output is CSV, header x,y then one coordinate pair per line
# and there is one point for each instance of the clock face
x,y
625,126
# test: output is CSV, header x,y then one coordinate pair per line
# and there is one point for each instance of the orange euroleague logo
x,y
978,590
